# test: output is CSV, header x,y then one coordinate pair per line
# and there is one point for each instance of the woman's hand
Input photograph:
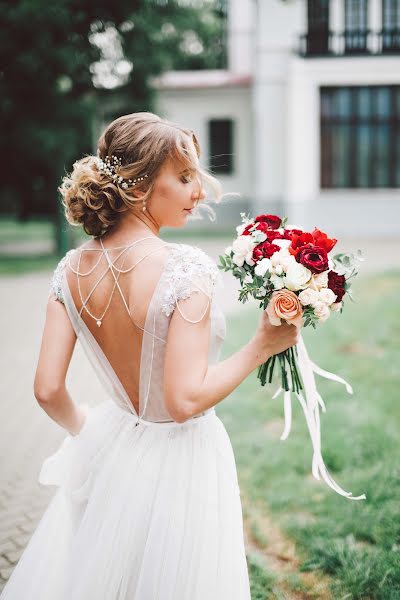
x,y
273,339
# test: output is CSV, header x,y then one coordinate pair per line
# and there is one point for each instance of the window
x,y
356,25
318,26
220,136
391,14
390,25
360,137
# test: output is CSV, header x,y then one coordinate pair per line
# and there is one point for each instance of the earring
x,y
144,205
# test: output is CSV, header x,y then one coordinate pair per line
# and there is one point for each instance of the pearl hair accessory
x,y
110,166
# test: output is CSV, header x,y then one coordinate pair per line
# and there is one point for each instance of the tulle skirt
x,y
142,512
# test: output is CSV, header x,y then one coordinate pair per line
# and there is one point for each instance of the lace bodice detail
x,y
187,267
56,281
187,270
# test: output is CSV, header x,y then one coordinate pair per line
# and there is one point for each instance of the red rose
x,y
246,230
271,234
288,233
262,226
264,250
273,221
299,242
315,259
322,240
336,284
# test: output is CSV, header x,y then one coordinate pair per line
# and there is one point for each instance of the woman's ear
x,y
138,193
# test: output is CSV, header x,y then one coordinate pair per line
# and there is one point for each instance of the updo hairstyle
x,y
143,141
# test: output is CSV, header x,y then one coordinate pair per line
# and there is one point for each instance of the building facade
x,y
306,119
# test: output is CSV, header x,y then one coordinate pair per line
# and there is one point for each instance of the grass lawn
x,y
16,265
12,230
42,230
355,543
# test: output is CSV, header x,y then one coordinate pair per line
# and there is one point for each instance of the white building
x,y
306,119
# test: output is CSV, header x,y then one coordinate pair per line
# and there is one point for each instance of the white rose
x,y
228,250
248,278
249,259
262,267
321,310
297,276
277,282
321,280
279,269
336,306
243,248
327,295
282,243
308,296
282,258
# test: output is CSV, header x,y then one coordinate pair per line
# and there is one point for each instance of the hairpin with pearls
x,y
110,166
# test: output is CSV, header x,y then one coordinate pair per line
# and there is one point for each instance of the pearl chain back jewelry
x,y
111,165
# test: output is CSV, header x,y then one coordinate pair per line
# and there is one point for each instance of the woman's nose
x,y
199,193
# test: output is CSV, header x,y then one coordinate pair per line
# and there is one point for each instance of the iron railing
x,y
350,43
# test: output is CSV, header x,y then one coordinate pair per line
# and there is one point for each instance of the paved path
x,y
27,435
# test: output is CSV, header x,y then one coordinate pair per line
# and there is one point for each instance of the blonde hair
x,y
143,141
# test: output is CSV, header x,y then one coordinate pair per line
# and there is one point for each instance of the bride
x,y
147,504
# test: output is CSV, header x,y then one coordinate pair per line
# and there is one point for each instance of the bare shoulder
x,y
149,265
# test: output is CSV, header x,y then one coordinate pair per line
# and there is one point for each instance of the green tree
x,y
60,60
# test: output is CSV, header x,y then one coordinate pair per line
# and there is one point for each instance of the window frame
x,y
214,166
353,124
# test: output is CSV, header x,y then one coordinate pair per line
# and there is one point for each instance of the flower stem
x,y
266,370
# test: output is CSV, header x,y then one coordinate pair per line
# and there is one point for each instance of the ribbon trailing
x,y
310,403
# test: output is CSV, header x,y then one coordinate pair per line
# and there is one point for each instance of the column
x,y
375,25
240,36
336,25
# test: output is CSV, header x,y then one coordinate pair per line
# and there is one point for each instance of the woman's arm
x,y
58,343
190,384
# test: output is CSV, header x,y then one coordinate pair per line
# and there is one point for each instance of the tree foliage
x,y
58,63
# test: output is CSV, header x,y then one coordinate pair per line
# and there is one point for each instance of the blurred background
x,y
296,104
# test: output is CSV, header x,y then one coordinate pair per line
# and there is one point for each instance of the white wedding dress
x,y
146,508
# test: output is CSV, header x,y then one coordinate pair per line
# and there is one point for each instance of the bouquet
x,y
297,280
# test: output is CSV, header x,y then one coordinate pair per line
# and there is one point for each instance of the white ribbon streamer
x,y
310,402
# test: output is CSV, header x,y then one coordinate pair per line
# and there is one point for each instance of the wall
x,y
305,201
193,108
287,132
278,24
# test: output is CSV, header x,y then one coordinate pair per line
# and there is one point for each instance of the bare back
x,y
120,301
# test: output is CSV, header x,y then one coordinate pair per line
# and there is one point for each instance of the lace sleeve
x,y
188,270
56,280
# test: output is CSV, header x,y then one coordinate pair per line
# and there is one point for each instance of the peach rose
x,y
284,304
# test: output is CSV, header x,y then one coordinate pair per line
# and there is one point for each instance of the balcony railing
x,y
350,43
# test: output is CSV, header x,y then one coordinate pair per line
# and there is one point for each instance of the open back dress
x,y
145,508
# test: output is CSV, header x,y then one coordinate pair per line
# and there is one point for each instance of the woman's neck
x,y
132,227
